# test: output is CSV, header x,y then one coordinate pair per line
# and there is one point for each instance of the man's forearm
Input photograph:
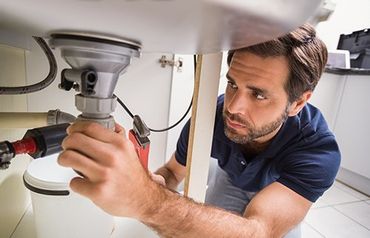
x,y
177,216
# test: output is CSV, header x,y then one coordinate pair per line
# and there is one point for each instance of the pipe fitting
x,y
56,116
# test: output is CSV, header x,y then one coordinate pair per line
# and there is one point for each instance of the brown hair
x,y
306,54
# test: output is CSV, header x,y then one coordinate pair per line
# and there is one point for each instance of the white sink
x,y
173,26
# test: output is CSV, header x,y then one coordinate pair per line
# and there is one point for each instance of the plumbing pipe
x,y
23,119
34,119
58,117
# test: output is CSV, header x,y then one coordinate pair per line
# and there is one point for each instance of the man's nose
x,y
238,104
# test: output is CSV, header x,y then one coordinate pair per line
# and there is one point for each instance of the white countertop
x,y
125,227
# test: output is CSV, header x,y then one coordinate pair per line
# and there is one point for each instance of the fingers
x,y
86,145
89,168
158,179
119,129
82,186
96,131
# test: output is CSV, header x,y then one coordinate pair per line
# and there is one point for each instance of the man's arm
x,y
271,213
115,181
173,173
279,208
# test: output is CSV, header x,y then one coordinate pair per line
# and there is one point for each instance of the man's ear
x,y
297,105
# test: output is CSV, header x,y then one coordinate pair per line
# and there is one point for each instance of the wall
x,y
327,96
13,197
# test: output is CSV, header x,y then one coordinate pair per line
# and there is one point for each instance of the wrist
x,y
163,204
152,201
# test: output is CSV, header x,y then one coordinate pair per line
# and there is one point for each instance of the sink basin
x,y
172,26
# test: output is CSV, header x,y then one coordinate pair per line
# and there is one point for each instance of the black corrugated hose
x,y
42,84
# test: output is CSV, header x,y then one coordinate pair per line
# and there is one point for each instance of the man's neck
x,y
252,149
257,146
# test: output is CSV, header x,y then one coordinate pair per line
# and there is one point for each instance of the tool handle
x,y
142,151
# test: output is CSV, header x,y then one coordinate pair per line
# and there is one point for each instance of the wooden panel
x,y
202,123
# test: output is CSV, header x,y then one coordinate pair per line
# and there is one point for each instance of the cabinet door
x,y
352,127
327,96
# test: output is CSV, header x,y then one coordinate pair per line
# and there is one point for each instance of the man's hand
x,y
113,178
158,179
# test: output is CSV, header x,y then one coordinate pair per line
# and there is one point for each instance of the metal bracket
x,y
174,63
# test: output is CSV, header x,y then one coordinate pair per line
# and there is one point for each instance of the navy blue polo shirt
x,y
303,155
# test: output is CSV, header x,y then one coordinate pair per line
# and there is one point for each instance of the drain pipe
x,y
56,117
34,119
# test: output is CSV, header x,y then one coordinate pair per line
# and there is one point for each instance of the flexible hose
x,y
40,85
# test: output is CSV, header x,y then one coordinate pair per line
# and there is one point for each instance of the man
x,y
276,155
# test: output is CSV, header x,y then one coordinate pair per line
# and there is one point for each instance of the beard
x,y
253,133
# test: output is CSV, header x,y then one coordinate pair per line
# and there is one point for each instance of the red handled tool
x,y
139,137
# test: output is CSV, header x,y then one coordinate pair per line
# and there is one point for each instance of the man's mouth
x,y
234,124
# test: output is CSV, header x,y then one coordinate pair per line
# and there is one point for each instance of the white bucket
x,y
58,211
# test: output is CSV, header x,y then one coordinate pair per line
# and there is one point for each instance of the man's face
x,y
256,103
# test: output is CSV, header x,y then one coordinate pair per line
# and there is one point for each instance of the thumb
x,y
119,129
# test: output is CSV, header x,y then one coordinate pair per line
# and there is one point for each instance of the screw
x,y
76,87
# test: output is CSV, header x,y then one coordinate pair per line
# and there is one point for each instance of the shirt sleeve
x,y
182,144
311,170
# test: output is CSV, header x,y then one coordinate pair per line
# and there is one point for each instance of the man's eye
x,y
232,85
259,96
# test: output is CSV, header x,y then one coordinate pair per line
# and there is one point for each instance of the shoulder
x,y
312,121
312,160
314,137
311,171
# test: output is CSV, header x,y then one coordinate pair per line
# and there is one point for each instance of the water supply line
x,y
42,84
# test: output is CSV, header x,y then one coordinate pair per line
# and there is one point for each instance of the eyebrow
x,y
229,77
258,90
253,88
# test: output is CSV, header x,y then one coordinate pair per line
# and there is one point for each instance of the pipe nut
x,y
92,105
106,122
